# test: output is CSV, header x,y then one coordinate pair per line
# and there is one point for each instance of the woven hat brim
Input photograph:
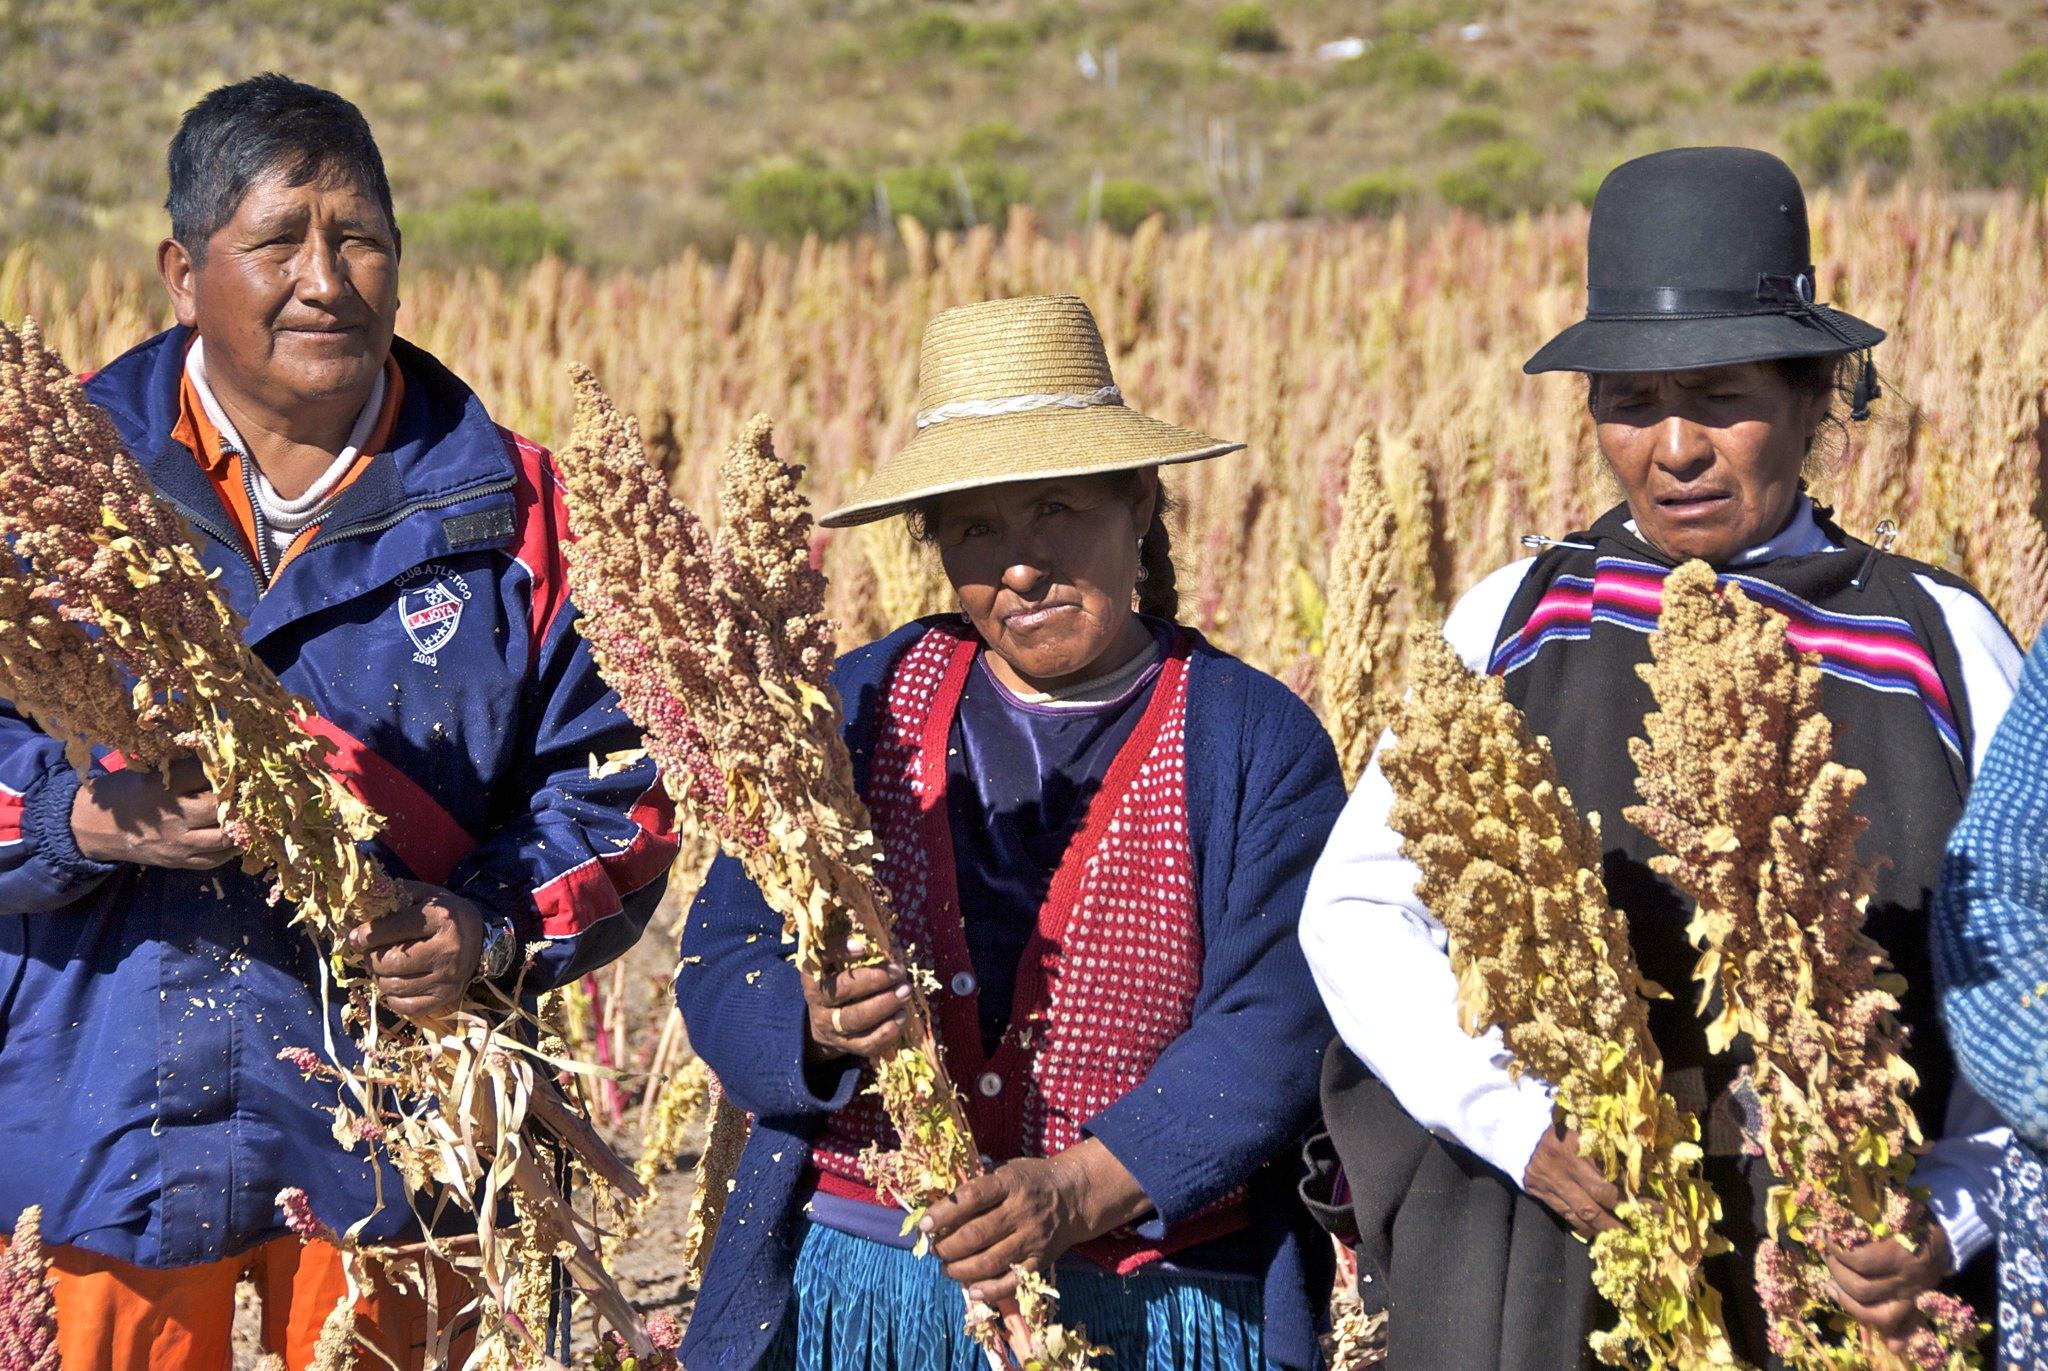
x,y
1039,445
1682,344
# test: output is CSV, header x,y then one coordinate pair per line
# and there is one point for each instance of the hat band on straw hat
x,y
1016,404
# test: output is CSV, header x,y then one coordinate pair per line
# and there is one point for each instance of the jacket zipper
x,y
256,519
233,542
404,512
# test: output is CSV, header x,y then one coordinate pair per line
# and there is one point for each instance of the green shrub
x,y
1847,136
928,33
1471,126
1586,185
482,229
931,195
1127,202
1247,27
1413,67
28,116
1893,85
1774,83
1372,196
1998,141
1501,178
789,200
497,98
987,142
2030,70
994,44
1594,107
1484,89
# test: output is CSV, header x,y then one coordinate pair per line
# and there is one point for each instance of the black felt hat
x,y
1699,257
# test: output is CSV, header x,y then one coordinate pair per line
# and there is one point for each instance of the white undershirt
x,y
281,520
1380,960
1088,694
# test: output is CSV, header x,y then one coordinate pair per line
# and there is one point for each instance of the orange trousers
x,y
115,1317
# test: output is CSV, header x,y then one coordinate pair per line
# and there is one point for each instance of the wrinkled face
x,y
1046,571
1708,460
297,296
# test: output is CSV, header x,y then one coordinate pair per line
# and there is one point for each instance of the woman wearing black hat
x,y
1712,374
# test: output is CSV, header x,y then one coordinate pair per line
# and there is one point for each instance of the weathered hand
x,y
1571,1186
1877,1284
861,1013
1026,1213
152,819
424,954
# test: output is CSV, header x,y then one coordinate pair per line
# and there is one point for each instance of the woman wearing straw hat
x,y
1711,376
1098,831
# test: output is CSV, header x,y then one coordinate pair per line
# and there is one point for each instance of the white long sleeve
x,y
1380,959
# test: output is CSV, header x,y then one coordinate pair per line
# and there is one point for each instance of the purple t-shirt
x,y
1019,777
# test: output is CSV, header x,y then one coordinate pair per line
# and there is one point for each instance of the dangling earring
x,y
1144,572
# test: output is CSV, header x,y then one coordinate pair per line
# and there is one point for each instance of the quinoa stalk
x,y
1759,828
1513,873
1361,645
720,649
28,1302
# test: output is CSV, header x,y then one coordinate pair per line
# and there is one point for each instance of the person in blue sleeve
x,y
1097,830
398,559
1991,950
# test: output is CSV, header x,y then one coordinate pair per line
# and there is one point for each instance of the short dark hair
x,y
267,124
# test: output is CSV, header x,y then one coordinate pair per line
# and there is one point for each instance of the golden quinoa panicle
x,y
1513,873
1759,828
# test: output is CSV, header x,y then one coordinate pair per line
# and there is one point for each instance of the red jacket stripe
x,y
593,889
541,519
425,836
10,816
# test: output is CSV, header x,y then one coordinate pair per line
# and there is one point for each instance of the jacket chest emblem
x,y
430,603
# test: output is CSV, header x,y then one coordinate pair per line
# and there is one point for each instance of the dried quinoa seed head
x,y
28,1299
1355,677
1759,828
105,550
721,651
1513,873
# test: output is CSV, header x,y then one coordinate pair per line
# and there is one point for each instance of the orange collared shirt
x,y
223,465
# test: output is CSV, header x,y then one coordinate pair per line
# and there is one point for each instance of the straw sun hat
x,y
1016,390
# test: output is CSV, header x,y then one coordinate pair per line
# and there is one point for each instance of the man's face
x,y
297,296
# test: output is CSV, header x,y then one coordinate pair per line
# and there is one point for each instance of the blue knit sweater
x,y
1225,1106
1991,916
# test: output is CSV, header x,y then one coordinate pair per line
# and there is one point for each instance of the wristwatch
x,y
501,944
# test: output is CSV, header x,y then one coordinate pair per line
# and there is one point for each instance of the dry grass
x,y
1298,343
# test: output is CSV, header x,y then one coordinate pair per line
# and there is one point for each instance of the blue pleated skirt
x,y
861,1305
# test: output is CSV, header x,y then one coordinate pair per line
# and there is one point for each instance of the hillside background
x,y
619,133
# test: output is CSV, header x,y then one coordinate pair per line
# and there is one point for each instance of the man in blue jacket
x,y
398,559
